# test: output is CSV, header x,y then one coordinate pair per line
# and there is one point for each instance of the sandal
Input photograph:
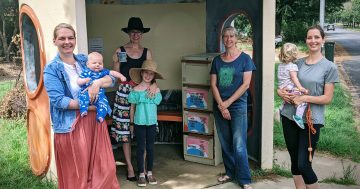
x,y
131,179
246,186
224,178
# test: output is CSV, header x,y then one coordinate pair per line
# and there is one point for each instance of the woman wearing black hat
x,y
130,55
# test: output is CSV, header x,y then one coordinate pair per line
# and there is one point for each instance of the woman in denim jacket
x,y
78,142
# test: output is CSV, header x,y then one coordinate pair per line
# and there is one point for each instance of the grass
x,y
352,29
277,169
339,134
15,171
271,174
5,86
347,179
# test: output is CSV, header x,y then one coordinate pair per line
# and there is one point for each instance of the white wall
x,y
52,12
176,30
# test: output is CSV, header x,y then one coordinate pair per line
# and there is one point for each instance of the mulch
x,y
13,104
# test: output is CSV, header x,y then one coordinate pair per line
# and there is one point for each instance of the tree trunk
x,y
11,44
3,40
6,47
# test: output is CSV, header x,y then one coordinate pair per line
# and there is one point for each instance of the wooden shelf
x,y
204,86
197,134
162,116
198,110
170,116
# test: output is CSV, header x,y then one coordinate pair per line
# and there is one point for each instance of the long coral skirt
x,y
84,157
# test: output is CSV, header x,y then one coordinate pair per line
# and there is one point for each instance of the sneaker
x,y
299,121
151,179
141,182
246,186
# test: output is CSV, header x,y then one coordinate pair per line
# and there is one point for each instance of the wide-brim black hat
x,y
135,23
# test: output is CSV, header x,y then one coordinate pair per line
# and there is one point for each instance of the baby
x,y
287,77
95,70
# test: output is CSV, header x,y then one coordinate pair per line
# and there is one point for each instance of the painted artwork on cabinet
x,y
197,147
196,98
197,123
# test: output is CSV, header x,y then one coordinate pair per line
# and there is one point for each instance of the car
x,y
330,27
278,40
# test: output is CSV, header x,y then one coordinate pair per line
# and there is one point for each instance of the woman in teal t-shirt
x,y
143,113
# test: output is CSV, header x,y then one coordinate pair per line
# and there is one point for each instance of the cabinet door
x,y
196,73
202,123
197,98
199,146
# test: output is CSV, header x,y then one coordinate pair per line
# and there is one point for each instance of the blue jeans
x,y
233,137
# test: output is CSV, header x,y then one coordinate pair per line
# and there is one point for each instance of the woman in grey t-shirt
x,y
318,75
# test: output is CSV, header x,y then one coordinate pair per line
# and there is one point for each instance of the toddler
x,y
95,70
143,114
287,78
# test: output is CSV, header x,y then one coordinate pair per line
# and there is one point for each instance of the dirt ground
x,y
9,71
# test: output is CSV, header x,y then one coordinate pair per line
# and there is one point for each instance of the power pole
x,y
322,12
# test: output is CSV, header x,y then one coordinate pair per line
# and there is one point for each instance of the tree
x,y
350,15
356,10
242,24
9,22
305,12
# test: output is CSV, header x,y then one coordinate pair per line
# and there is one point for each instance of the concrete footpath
x,y
173,172
324,165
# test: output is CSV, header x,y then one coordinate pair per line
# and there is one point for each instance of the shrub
x,y
295,31
13,105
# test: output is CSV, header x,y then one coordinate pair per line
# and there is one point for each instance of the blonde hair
x,y
63,25
94,54
231,29
288,53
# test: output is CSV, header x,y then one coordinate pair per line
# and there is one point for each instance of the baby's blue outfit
x,y
102,104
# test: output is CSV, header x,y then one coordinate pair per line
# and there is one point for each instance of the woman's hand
x,y
226,114
151,91
297,100
223,105
93,90
285,95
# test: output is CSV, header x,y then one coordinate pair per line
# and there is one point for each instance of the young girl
x,y
143,114
287,77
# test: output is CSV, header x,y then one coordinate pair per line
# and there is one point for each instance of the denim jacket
x,y
56,82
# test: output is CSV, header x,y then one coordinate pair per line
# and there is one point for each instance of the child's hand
x,y
303,90
122,78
